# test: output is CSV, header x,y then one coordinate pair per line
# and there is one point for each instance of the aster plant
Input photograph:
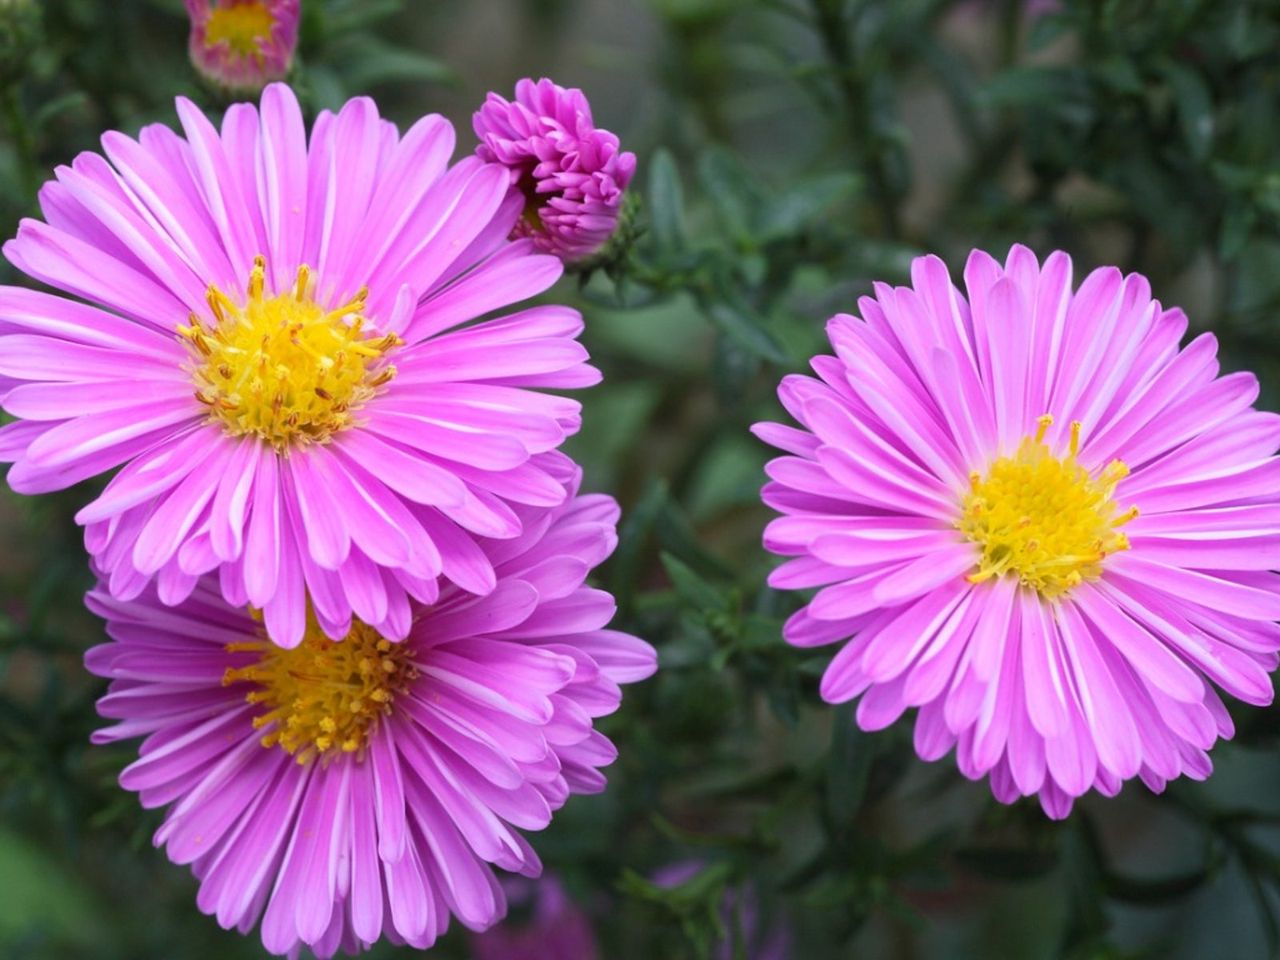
x,y
267,334
1035,518
790,154
346,791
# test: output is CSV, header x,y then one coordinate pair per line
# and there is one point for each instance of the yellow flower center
x,y
284,368
323,697
1043,518
241,25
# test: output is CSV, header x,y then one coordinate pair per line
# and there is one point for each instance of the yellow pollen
x,y
241,24
1044,518
282,367
323,697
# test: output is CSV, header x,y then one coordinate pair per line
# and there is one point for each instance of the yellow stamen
x,y
323,697
283,367
1043,518
241,24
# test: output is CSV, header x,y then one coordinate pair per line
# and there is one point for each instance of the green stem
x,y
1010,29
23,141
863,139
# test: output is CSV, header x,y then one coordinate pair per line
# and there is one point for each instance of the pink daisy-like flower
x,y
1036,519
556,928
353,789
242,45
273,347
570,174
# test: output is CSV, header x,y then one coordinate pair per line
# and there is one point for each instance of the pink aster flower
x,y
348,790
242,45
274,339
556,928
1037,520
571,174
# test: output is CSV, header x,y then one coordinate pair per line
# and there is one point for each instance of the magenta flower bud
x,y
242,45
572,174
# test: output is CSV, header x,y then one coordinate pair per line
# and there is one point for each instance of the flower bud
x,y
572,174
242,45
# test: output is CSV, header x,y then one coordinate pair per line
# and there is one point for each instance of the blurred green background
x,y
791,152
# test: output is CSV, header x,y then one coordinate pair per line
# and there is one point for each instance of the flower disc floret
x,y
323,697
1044,519
284,368
243,26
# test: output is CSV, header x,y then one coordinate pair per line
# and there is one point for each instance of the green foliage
x,y
791,153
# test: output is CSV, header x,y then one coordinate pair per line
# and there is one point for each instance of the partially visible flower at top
x,y
274,339
749,933
552,926
571,175
354,789
1036,519
242,45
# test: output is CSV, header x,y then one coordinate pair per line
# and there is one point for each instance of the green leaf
x,y
633,536
732,370
665,203
735,196
76,100
1120,74
43,900
1007,863
848,768
1194,104
676,534
697,902
810,200
693,589
1046,29
1237,225
328,91
348,16
744,327
370,63
1024,86
1146,891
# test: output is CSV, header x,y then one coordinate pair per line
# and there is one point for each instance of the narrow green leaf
x,y
1007,863
744,328
378,63
736,197
1236,228
1194,104
849,762
692,588
665,204
795,209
